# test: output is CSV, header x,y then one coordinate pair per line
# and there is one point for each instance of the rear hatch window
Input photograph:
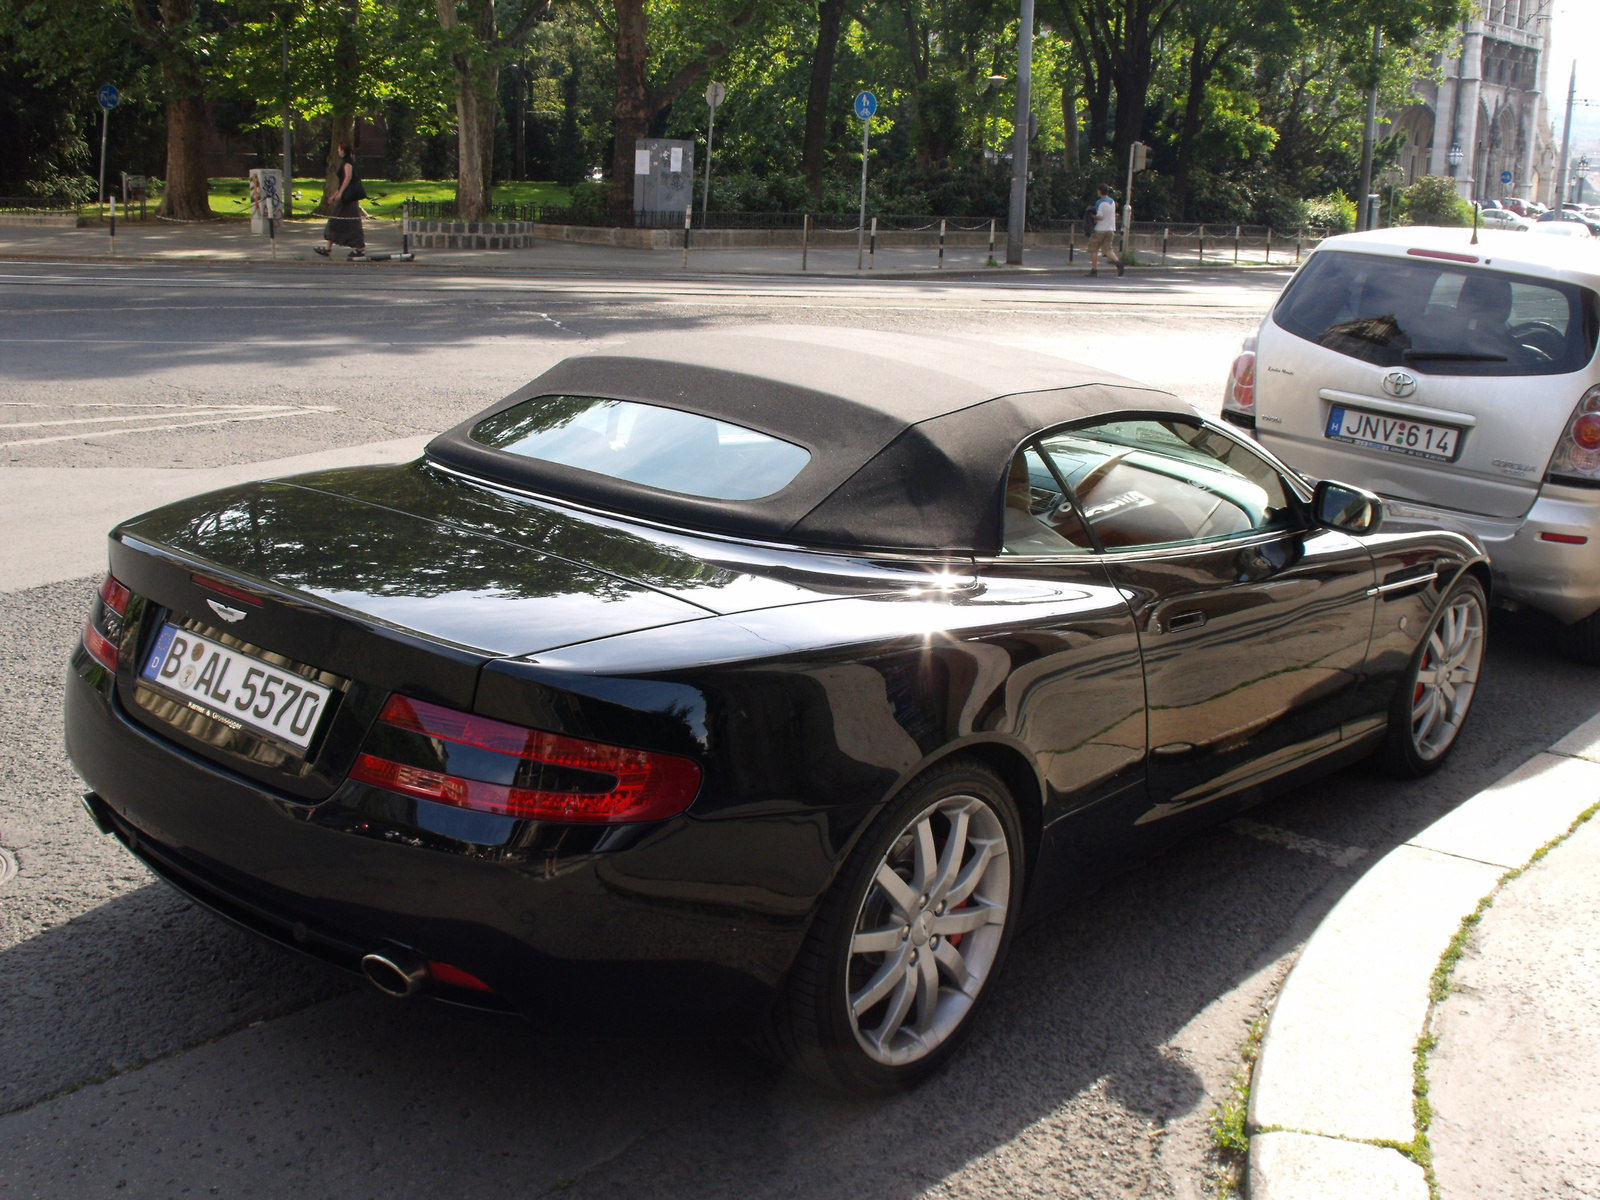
x,y
664,448
1440,318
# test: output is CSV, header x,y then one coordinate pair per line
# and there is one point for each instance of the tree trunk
x,y
1099,99
519,121
830,15
1069,119
187,195
344,96
341,128
1200,66
632,110
1133,88
477,85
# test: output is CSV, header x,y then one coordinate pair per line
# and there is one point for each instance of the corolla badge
x,y
228,614
1399,383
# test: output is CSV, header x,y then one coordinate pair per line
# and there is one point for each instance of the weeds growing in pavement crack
x,y
1230,1139
1440,986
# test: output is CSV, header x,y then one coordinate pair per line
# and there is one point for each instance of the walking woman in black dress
x,y
344,226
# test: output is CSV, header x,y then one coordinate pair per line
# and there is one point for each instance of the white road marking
x,y
230,414
1339,856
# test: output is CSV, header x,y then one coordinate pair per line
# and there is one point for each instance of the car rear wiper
x,y
1451,356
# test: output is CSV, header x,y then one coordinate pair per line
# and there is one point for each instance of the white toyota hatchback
x,y
1454,377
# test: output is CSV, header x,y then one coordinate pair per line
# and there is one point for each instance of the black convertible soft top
x,y
910,436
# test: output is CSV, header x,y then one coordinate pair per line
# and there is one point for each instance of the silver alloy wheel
x,y
929,930
1446,677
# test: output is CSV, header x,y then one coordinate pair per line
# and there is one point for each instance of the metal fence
x,y
1215,236
37,204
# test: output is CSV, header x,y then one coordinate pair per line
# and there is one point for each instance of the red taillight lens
x,y
1242,393
115,595
1577,454
101,648
603,783
103,629
1586,431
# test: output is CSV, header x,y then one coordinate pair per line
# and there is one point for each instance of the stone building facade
x,y
1492,103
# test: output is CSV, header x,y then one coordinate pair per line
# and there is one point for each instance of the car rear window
x,y
659,447
1440,318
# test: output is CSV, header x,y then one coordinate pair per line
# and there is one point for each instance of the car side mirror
x,y
1344,506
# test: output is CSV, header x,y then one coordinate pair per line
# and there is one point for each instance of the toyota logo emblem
x,y
1399,383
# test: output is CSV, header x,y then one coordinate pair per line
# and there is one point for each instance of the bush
x,y
1432,200
1334,212
588,200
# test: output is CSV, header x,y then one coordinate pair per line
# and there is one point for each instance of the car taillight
x,y
1242,391
102,632
440,754
1577,455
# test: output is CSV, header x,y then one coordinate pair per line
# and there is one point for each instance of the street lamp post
x,y
1018,214
715,95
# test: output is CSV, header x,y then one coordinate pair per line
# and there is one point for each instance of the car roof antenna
x,y
1475,210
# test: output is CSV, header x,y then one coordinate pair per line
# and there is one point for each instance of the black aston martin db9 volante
x,y
758,681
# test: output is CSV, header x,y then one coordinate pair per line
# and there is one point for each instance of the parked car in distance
x,y
1457,378
1575,218
757,681
1566,229
1515,204
1504,218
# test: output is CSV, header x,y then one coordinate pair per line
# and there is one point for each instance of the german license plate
x,y
239,688
1395,434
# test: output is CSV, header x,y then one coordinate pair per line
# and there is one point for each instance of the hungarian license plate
x,y
236,687
1395,434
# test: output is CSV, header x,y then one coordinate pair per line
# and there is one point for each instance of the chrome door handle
x,y
1188,620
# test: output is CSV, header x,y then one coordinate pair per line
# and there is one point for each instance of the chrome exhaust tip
x,y
396,971
95,807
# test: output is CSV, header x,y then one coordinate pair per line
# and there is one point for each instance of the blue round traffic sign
x,y
1505,176
108,96
866,105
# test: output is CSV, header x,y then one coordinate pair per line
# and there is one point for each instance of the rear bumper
x,y
1557,577
626,927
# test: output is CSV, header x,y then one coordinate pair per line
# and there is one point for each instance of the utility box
x,y
663,180
266,199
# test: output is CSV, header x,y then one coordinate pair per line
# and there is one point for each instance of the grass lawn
x,y
231,197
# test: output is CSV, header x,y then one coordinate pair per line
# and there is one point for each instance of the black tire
x,y
813,1028
1581,640
1404,753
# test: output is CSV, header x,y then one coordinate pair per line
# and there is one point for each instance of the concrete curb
x,y
1332,1089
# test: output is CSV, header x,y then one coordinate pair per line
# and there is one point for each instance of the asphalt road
x,y
146,1049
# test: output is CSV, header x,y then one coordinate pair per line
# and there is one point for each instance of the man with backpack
x,y
1100,223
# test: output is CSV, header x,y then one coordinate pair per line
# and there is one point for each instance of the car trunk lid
x,y
354,597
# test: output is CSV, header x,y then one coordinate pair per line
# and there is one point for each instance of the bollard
x,y
805,240
688,212
991,237
272,233
1201,260
1166,233
872,246
941,241
1236,245
405,228
1072,243
1298,234
113,226
1269,245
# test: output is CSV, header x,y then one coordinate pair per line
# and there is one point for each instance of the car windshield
x,y
1440,318
662,448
